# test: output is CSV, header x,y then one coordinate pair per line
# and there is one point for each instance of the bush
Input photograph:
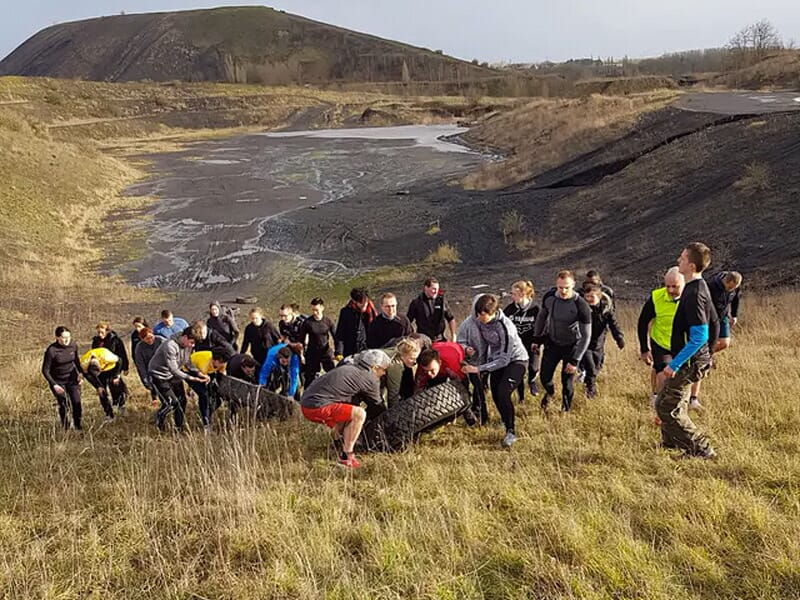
x,y
444,254
756,178
512,223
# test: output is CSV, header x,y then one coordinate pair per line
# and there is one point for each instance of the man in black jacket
x,y
213,341
389,326
354,322
291,323
223,323
112,379
430,312
62,369
604,319
259,335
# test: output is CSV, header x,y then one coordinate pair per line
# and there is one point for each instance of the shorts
x,y
330,414
661,357
724,328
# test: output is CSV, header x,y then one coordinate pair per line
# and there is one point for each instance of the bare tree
x,y
753,43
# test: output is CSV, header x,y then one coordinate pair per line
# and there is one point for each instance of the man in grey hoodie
x,y
564,325
167,376
498,351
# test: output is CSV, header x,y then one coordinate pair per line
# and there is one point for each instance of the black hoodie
x,y
115,344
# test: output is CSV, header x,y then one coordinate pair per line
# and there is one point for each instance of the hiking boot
x,y
545,401
694,404
534,389
348,462
508,440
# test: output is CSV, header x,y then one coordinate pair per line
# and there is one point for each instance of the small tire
x,y
257,401
246,300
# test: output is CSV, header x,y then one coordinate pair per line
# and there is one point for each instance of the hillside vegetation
x,y
236,45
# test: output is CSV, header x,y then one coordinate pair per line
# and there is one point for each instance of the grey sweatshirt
x,y
141,358
497,343
565,323
168,360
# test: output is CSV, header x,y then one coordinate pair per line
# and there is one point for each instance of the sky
x,y
493,31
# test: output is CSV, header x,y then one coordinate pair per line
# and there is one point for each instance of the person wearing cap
x,y
223,323
332,399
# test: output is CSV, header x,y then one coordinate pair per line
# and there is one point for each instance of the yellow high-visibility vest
x,y
666,307
106,359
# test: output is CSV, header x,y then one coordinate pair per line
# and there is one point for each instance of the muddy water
x,y
206,230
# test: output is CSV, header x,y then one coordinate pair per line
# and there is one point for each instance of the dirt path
x,y
740,103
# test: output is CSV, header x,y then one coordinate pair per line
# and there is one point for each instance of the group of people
x,y
377,357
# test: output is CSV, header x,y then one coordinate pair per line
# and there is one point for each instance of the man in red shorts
x,y
331,399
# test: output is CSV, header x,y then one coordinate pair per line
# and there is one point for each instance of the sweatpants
x,y
172,395
672,407
315,361
551,356
72,391
104,383
503,382
591,363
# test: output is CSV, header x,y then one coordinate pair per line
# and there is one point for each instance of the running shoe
x,y
694,404
533,388
581,376
348,462
508,440
591,392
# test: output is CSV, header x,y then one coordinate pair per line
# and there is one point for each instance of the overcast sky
x,y
491,30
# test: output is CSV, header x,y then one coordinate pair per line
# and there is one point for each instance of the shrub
x,y
444,254
756,178
512,223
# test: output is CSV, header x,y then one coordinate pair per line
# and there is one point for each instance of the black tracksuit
x,y
61,367
524,320
226,326
431,315
603,319
318,350
260,339
234,369
215,341
352,330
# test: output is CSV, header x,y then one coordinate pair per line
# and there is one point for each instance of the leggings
x,y
315,361
72,391
552,355
503,382
591,363
533,369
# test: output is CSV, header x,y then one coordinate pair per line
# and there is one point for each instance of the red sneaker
x,y
348,463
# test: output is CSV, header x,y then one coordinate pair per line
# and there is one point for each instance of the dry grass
x,y
756,178
585,506
444,254
545,133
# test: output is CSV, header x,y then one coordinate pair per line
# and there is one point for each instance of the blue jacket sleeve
x,y
269,364
294,375
698,335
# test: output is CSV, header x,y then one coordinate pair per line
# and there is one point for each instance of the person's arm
x,y
338,336
122,353
266,368
234,327
503,359
294,375
452,326
218,341
408,329
394,376
540,325
47,363
141,367
585,328
616,332
735,306
247,342
412,311
646,316
171,357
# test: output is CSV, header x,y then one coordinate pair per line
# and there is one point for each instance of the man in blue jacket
x,y
281,370
695,328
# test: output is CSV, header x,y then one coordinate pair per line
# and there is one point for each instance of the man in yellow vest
x,y
101,365
655,325
211,364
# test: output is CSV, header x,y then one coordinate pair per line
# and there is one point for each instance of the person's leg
x,y
312,367
180,408
591,365
168,400
201,389
352,429
504,382
61,402
74,392
119,391
677,429
567,380
478,398
534,355
327,363
550,358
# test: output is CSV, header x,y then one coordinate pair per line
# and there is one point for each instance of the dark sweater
x,y
352,330
524,320
383,332
604,319
319,334
214,340
225,326
61,364
430,315
260,339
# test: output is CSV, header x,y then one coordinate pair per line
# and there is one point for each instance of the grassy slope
x,y
546,133
585,506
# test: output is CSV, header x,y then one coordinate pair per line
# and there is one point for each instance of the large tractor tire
x,y
405,421
255,401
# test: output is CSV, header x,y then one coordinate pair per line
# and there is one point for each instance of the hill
x,y
235,45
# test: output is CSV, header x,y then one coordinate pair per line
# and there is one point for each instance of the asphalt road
x,y
740,103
